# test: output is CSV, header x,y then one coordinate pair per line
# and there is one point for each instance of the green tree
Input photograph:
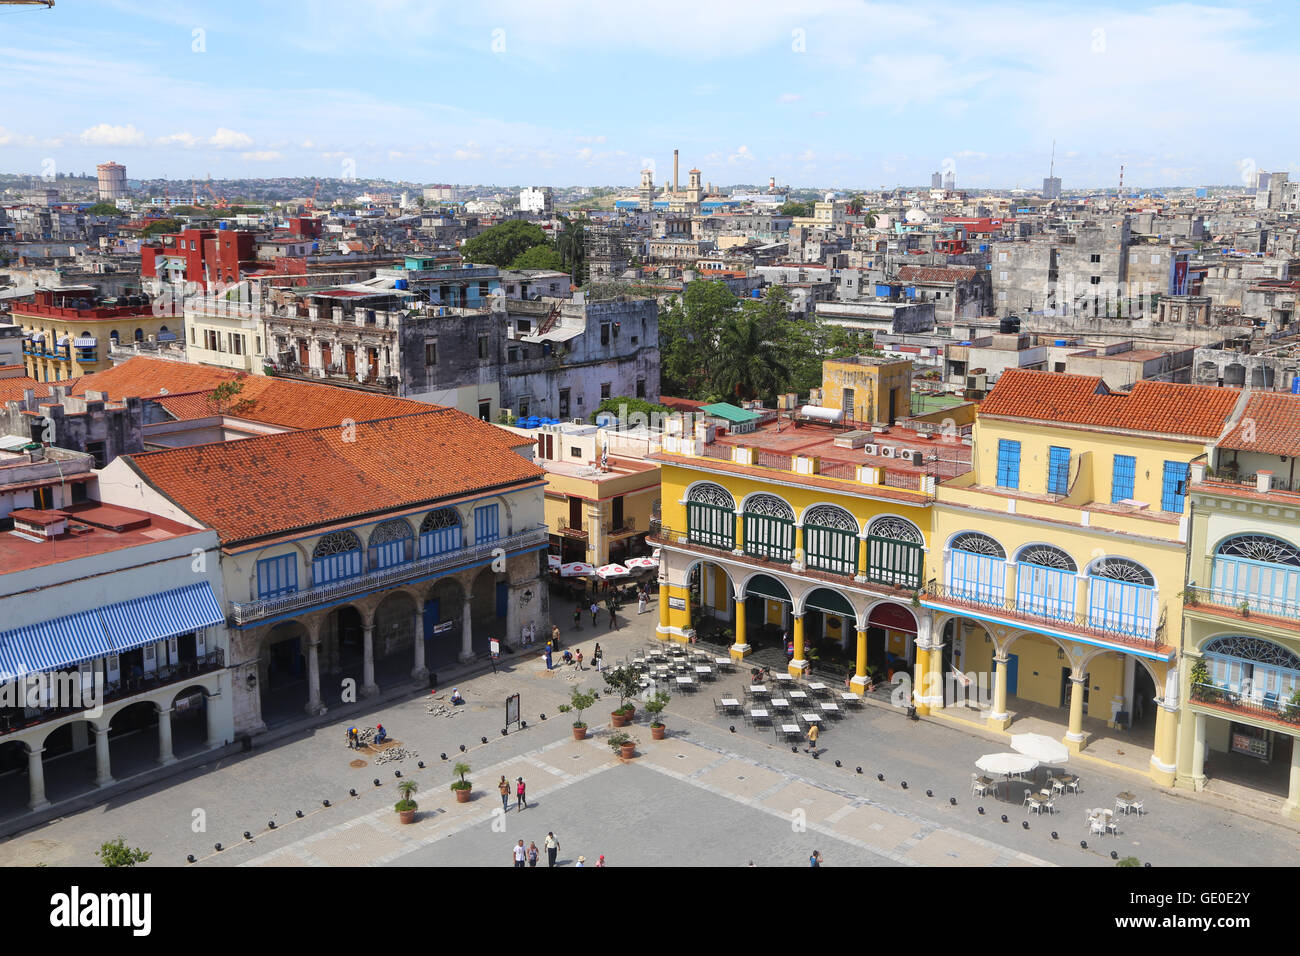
x,y
539,257
117,853
754,358
503,244
227,398
688,337
794,208
857,202
632,406
104,209
160,226
571,244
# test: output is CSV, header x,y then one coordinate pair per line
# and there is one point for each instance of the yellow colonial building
x,y
67,332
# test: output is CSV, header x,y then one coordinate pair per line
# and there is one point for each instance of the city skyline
x,y
861,96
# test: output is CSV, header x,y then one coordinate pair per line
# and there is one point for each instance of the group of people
x,y
521,794
574,657
354,737
529,855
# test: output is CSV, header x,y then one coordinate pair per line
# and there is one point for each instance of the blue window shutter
x,y
1173,488
1122,477
1008,463
1058,470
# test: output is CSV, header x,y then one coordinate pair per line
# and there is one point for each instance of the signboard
x,y
494,645
677,604
444,627
512,709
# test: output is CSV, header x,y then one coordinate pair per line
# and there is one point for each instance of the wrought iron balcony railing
x,y
1264,706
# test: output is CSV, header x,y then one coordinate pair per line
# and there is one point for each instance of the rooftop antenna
x,y
1051,170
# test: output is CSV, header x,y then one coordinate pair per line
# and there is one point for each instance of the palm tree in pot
x,y
462,786
406,807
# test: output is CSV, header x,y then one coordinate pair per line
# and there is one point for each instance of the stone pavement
x,y
704,796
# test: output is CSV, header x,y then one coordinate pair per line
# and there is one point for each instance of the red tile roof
x,y
936,273
274,484
1196,411
1270,425
11,389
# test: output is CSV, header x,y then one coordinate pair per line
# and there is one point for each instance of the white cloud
x,y
187,140
589,139
105,134
468,153
306,144
262,155
741,155
229,139
10,138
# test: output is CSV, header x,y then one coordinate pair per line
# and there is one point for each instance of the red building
x,y
203,256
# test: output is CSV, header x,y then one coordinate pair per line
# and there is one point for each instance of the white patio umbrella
x,y
553,561
1042,748
1006,764
576,569
612,571
637,564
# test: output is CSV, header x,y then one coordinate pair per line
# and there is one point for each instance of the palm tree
x,y
749,362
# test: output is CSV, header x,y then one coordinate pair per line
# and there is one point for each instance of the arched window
x,y
139,335
1046,582
113,337
1259,670
1121,597
711,516
769,528
830,539
977,568
895,552
389,543
440,532
337,557
1260,570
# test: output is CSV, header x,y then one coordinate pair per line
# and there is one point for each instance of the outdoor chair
x,y
1097,825
978,787
1029,797
1072,784
1058,786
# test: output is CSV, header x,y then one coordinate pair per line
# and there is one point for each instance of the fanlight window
x,y
1259,547
896,529
973,542
1044,555
336,542
770,506
709,494
1122,569
440,532
1255,650
829,516
437,520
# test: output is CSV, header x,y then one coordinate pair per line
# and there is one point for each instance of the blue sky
x,y
819,93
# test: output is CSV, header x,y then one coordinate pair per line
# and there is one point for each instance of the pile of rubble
x,y
395,753
437,709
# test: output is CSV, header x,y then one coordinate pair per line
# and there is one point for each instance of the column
x,y
740,533
103,766
861,576
165,754
800,662
1292,807
214,720
664,619
1198,755
859,682
314,705
936,690
740,648
1163,768
800,559
999,718
1075,738
466,632
368,686
36,778
419,671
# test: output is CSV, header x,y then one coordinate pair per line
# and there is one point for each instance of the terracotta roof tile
x,y
1198,411
1270,425
273,484
936,273
11,389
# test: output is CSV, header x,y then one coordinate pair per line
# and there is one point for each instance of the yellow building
x,y
1241,630
813,531
867,388
68,333
1059,558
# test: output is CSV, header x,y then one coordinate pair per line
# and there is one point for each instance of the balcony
x,y
1037,612
247,612
1261,707
1241,604
20,718
575,534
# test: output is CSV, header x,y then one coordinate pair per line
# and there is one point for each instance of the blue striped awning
x,y
51,645
155,617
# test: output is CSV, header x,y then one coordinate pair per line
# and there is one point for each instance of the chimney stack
x,y
676,184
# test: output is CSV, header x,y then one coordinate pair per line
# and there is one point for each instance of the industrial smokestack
x,y
676,185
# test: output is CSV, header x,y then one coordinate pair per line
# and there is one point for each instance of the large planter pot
x,y
619,720
657,733
579,733
627,751
462,796
406,816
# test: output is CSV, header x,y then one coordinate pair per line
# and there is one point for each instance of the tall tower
x,y
646,197
676,184
112,181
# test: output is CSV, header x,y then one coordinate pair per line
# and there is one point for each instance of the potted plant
x,y
406,807
578,702
655,705
623,745
1244,608
624,682
461,787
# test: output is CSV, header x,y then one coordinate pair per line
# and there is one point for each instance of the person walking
x,y
613,621
532,853
816,858
520,853
641,603
552,848
578,658
521,797
547,654
577,619
595,609
598,658
504,789
813,732
555,632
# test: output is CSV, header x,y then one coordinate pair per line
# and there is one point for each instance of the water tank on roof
x,y
401,283
1009,324
821,414
223,225
1061,342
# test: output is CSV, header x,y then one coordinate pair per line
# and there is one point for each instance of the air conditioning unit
x,y
917,457
886,451
871,449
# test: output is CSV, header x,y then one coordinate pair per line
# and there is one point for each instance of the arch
x,y
896,529
139,335
765,586
710,515
828,601
892,615
767,505
1115,568
390,543
829,516
441,532
768,522
113,336
710,493
830,539
690,569
1046,581
976,542
1047,556
395,529
336,542
1259,547
1254,649
1121,596
976,568
189,691
336,557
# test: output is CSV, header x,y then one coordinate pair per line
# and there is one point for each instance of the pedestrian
x,y
613,621
577,619
552,848
598,658
578,657
594,611
816,858
555,633
601,861
521,798
641,603
519,852
532,853
504,789
582,861
812,738
547,654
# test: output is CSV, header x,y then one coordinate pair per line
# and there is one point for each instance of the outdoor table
x,y
703,669
780,703
1124,801
811,718
783,677
759,714
791,731
722,661
757,689
729,702
798,695
851,700
685,681
829,708
817,687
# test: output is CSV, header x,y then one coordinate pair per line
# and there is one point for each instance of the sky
x,y
825,93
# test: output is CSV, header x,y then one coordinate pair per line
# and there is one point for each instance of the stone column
x,y
861,576
664,620
740,533
314,705
467,631
165,754
921,677
859,682
1075,738
936,692
103,766
741,647
999,718
213,718
368,686
36,779
1198,754
1163,757
1292,807
799,663
800,558
419,671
